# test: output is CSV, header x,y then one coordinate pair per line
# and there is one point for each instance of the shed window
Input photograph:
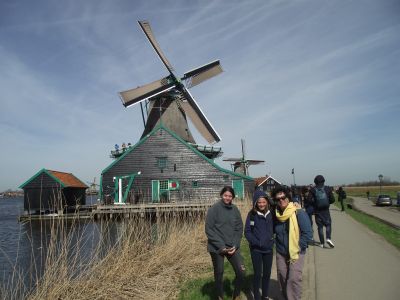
x,y
195,184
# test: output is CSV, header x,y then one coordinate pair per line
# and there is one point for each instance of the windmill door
x,y
160,191
238,187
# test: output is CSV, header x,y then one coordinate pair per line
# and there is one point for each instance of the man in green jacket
x,y
224,229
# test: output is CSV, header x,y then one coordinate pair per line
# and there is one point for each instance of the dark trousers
x,y
237,264
310,211
262,264
323,218
341,203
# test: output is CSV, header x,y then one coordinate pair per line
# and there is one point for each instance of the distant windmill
x,y
169,99
241,165
92,187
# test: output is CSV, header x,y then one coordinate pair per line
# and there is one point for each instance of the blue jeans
x,y
262,264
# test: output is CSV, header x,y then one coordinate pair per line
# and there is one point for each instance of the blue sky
x,y
310,85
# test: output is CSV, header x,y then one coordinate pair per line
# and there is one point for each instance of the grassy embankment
x,y
391,234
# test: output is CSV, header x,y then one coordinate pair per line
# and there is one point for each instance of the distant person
x,y
116,147
292,233
259,232
398,198
321,197
341,196
224,230
368,195
123,147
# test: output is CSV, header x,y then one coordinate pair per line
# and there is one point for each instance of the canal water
x,y
23,246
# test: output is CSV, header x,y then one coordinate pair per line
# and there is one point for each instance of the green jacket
x,y
224,227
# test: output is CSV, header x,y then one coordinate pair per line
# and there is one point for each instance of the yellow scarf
x,y
294,232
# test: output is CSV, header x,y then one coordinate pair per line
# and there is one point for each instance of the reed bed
x,y
141,259
147,261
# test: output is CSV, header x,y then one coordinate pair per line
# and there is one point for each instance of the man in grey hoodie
x,y
224,229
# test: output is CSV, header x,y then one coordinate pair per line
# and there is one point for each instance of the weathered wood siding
x,y
183,164
45,193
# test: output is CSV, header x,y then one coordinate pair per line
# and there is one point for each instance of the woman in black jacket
x,y
259,233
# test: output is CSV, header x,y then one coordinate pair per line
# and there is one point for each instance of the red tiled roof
x,y
68,179
259,180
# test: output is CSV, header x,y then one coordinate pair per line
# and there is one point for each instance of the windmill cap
x,y
319,179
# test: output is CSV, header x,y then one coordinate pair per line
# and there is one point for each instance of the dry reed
x,y
148,261
140,266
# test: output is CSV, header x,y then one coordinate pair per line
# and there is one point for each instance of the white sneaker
x,y
330,243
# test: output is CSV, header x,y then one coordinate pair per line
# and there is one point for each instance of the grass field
x,y
361,191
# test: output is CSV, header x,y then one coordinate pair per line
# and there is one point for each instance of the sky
x,y
309,85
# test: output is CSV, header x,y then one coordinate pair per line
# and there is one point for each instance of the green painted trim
x,y
161,126
37,174
128,188
101,187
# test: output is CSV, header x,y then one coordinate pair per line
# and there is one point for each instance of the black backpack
x,y
321,197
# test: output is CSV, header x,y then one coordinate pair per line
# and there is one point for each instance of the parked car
x,y
383,200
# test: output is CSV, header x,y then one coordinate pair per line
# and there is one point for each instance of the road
x,y
361,266
389,214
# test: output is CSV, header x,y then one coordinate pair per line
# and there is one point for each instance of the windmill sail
x,y
200,74
171,89
141,93
198,118
150,36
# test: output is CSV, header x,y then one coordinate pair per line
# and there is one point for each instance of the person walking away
x,y
259,233
292,232
341,196
322,196
224,230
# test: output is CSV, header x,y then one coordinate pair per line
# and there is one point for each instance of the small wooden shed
x,y
266,183
52,191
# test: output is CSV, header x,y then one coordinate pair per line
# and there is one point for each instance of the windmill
x,y
92,187
241,165
168,99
